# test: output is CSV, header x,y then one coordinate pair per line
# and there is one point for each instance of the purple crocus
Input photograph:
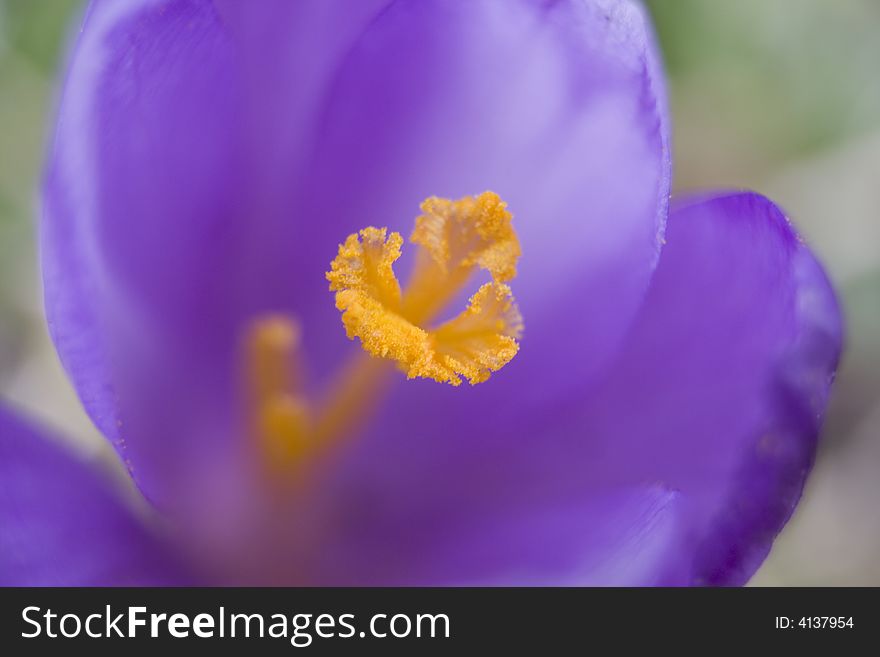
x,y
635,400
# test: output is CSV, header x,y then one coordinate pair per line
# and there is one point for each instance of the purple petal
x,y
209,159
63,525
722,387
611,538
131,188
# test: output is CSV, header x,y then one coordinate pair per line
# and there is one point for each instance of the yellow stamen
x,y
284,425
455,238
351,398
280,414
289,426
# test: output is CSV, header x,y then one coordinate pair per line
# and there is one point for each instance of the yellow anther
x,y
291,426
455,237
283,424
279,414
274,353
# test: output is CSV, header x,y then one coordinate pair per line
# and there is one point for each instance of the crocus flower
x,y
560,379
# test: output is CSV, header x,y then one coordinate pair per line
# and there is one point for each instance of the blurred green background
x,y
782,96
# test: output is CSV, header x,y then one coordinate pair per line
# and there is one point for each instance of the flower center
x,y
455,238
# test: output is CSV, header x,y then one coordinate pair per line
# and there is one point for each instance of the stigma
x,y
454,239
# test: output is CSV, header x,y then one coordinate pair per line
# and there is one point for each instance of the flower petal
x,y
722,386
140,174
619,537
63,525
